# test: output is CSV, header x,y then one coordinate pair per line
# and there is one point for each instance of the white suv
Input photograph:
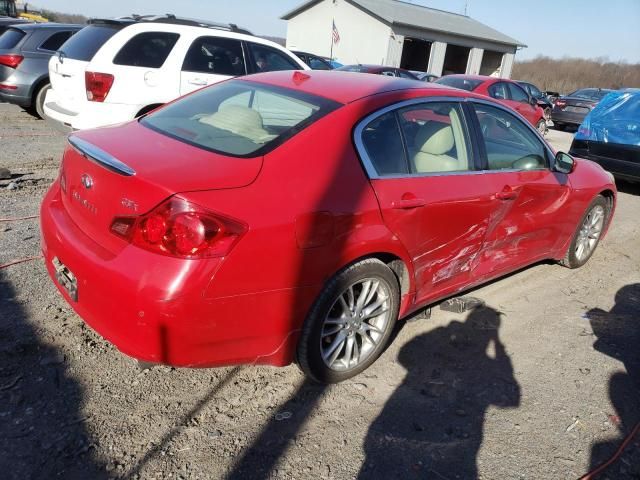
x,y
113,71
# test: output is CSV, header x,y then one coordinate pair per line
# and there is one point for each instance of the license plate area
x,y
66,278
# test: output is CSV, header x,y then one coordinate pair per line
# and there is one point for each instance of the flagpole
x,y
333,22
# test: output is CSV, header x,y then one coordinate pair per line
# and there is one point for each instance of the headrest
x,y
240,120
435,138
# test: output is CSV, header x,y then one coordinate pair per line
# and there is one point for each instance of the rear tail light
x,y
11,61
179,228
560,103
97,85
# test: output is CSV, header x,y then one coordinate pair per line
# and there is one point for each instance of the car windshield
x,y
239,118
589,93
468,84
353,68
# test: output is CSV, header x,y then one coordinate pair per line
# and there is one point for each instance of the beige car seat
x,y
435,140
243,121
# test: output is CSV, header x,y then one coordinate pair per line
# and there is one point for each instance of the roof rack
x,y
171,19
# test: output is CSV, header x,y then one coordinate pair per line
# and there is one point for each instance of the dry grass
x,y
568,74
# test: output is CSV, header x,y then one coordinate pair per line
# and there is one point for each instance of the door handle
x,y
408,203
507,193
197,81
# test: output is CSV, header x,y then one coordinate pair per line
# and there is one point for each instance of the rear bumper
x,y
153,308
20,96
85,114
559,116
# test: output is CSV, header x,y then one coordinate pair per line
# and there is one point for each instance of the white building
x,y
400,34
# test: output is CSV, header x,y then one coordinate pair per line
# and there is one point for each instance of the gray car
x,y
24,62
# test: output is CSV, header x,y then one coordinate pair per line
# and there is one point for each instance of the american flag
x,y
334,33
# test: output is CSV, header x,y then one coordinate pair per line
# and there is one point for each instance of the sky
x,y
555,28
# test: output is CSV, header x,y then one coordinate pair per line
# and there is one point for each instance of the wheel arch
x,y
148,108
36,86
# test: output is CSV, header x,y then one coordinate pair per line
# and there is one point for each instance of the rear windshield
x,y
10,38
84,44
462,83
590,93
239,118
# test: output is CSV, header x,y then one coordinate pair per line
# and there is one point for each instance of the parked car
x,y
610,134
315,62
505,91
425,76
25,51
543,101
379,70
115,70
573,108
299,215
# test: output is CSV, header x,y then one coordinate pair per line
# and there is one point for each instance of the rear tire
x,y
38,99
588,233
350,323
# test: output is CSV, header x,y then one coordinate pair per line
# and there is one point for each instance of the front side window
x,y
239,118
318,64
148,49
499,91
269,59
517,93
215,55
510,144
55,41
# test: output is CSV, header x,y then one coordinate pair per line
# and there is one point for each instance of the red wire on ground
x,y
18,218
22,260
601,468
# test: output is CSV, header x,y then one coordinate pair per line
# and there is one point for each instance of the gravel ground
x,y
543,383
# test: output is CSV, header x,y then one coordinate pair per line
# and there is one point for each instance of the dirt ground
x,y
543,383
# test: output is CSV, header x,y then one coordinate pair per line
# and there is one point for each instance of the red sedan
x,y
297,216
505,91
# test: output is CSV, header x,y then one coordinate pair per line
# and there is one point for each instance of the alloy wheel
x,y
590,232
356,324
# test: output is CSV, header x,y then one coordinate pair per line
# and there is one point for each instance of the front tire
x,y
588,233
350,323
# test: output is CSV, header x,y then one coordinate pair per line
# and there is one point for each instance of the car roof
x,y
169,19
346,87
48,25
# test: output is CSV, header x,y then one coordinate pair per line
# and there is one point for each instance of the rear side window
x,y
499,91
517,93
215,55
10,38
84,44
148,49
55,41
383,142
268,59
239,118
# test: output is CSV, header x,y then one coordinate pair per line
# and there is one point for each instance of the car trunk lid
x,y
127,170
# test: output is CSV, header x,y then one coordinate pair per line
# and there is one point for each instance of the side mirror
x,y
564,163
533,101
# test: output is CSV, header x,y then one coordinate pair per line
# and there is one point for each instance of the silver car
x,y
25,50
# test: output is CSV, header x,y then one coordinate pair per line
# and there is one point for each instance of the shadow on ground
x,y
42,427
432,426
618,336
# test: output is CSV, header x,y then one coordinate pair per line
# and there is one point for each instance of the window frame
x,y
242,49
469,132
478,138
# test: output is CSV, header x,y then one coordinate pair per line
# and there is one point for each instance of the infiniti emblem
x,y
86,180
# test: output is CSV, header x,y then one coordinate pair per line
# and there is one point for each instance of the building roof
x,y
397,12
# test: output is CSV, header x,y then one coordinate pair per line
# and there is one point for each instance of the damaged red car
x,y
294,216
